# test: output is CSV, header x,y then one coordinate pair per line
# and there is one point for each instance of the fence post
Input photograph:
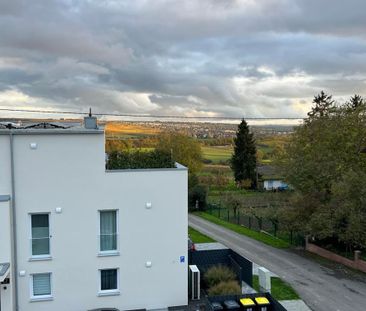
x,y
228,215
250,222
291,237
219,210
237,217
275,229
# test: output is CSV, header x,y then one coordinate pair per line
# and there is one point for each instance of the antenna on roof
x,y
90,114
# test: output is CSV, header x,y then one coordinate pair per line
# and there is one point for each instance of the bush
x,y
218,274
198,193
225,288
138,159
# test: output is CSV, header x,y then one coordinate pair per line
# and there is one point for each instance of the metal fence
x,y
259,224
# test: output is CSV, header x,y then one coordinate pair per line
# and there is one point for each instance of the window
x,y
108,281
41,286
108,231
40,235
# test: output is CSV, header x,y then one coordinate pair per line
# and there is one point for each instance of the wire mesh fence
x,y
256,223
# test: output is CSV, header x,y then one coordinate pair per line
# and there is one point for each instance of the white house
x,y
76,237
271,178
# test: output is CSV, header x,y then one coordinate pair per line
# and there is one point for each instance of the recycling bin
x,y
231,305
262,303
216,306
247,304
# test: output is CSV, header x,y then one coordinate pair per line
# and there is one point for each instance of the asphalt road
x,y
322,288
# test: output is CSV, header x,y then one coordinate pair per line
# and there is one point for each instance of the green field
x,y
217,154
198,237
280,290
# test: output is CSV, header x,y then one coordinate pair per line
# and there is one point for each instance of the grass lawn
x,y
280,290
217,153
259,236
198,237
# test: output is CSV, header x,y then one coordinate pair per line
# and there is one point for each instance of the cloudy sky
x,y
252,58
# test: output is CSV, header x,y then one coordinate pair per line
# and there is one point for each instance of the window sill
x,y
44,298
109,293
107,254
40,258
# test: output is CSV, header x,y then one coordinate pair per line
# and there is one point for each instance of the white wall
x,y
5,178
5,251
273,184
68,171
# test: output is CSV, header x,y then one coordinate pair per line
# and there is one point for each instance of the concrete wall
x,y
68,171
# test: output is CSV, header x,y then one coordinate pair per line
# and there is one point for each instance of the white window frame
x,y
44,256
110,252
40,297
108,292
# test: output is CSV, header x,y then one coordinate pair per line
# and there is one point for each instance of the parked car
x,y
191,246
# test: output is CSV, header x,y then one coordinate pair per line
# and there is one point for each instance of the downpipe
x,y
14,268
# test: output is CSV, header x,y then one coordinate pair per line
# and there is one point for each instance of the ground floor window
x,y
41,285
109,280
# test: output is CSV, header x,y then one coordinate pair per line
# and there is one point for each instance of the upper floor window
x,y
40,234
108,231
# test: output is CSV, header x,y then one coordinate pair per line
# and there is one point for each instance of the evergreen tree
x,y
244,161
324,106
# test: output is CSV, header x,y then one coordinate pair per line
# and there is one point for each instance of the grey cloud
x,y
253,58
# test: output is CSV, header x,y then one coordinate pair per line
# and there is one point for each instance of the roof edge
x,y
50,131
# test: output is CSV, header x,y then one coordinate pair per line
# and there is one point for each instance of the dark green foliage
x,y
138,159
197,194
324,163
218,274
244,161
324,106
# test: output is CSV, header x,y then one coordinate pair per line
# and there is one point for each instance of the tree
x,y
183,149
324,163
243,161
355,102
324,105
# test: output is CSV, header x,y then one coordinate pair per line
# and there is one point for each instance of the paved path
x,y
321,288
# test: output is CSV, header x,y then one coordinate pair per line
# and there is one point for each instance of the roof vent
x,y
90,122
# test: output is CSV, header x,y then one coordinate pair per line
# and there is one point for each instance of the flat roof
x,y
209,246
52,131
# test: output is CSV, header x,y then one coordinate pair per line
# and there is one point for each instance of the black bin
x,y
216,306
231,305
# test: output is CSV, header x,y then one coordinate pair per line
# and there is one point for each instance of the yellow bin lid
x,y
247,302
261,300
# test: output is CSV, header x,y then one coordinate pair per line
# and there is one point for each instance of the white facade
x,y
62,173
272,184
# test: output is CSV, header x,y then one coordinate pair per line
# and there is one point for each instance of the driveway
x,y
322,288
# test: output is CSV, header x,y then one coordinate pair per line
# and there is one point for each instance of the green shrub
x,y
197,193
138,159
225,288
218,274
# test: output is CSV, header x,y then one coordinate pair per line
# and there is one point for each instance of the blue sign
x,y
182,259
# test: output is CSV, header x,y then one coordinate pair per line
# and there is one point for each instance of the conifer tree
x,y
244,161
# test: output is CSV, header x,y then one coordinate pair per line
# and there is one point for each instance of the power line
x,y
141,115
